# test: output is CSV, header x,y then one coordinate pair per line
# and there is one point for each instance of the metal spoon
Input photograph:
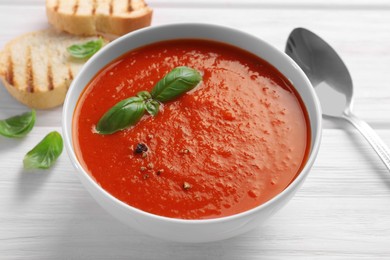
x,y
332,81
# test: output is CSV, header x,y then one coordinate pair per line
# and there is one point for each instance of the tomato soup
x,y
234,142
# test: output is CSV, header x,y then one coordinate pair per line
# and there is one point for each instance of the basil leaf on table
x,y
18,126
45,153
175,83
85,50
124,114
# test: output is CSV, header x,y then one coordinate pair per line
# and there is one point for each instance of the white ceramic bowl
x,y
179,229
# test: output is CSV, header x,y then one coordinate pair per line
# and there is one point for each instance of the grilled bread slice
x,y
36,69
91,17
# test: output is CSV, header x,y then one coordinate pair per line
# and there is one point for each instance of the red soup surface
x,y
234,142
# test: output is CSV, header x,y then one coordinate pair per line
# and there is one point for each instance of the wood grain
x,y
341,212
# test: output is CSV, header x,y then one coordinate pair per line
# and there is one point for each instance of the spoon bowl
x,y
332,82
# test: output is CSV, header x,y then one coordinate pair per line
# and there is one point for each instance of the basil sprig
x,y
18,126
85,50
45,153
129,112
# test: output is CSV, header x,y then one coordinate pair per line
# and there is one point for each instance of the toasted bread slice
x,y
91,17
37,70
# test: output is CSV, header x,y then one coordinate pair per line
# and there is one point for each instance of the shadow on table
x,y
30,182
14,108
6,144
91,233
368,153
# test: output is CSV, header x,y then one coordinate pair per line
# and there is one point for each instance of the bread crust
x,y
77,25
92,24
38,100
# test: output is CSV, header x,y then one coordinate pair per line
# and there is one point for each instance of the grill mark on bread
x,y
70,78
94,5
111,7
50,83
70,74
75,6
29,72
129,6
10,71
57,6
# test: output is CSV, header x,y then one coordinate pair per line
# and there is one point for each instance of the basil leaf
x,y
124,114
85,50
176,83
152,106
45,153
18,126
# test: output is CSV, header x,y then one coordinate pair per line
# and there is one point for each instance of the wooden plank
x,y
340,212
285,4
359,164
362,39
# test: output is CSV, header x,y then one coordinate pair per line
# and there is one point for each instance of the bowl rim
x,y
67,116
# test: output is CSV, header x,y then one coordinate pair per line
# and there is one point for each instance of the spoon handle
x,y
371,136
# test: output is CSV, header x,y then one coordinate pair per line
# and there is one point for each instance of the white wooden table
x,y
341,212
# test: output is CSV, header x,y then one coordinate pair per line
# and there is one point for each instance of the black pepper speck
x,y
141,148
